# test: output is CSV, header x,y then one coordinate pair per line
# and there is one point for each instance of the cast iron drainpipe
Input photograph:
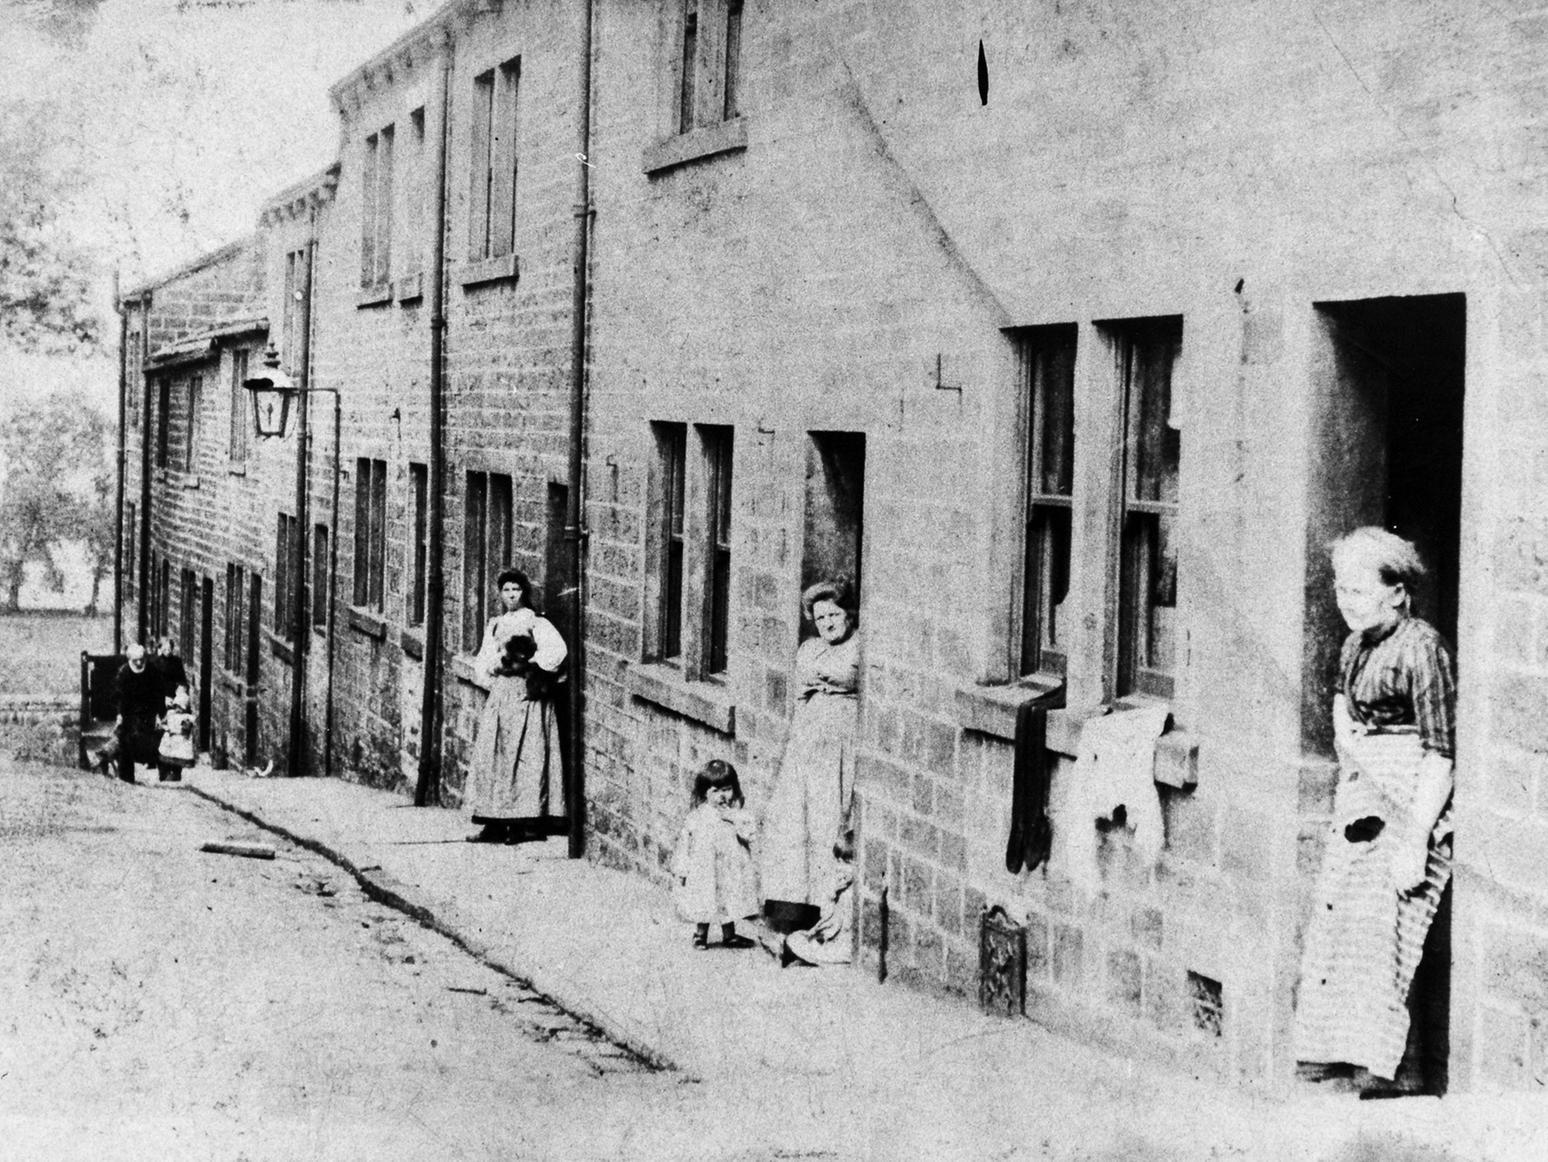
x,y
427,789
333,581
302,532
333,569
142,588
118,500
574,527
300,623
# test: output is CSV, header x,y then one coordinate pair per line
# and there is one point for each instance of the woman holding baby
x,y
514,784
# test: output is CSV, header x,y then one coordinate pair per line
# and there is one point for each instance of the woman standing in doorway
x,y
809,813
514,776
1387,862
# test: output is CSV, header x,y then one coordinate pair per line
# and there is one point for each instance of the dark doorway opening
x,y
1388,379
835,511
558,604
251,686
206,660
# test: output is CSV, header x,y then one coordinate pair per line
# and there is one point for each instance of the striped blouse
x,y
1402,676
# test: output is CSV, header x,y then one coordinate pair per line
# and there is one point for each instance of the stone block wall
x,y
856,252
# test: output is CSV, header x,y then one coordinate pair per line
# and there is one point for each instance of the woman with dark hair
x,y
809,812
1387,861
513,773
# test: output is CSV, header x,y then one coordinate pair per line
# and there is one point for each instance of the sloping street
x,y
161,1002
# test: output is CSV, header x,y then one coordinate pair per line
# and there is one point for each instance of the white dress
x,y
810,806
514,771
714,867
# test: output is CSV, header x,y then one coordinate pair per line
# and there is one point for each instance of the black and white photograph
x,y
774,579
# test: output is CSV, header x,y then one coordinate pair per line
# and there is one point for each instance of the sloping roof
x,y
205,344
210,258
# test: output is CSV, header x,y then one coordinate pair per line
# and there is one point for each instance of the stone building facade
x,y
1072,365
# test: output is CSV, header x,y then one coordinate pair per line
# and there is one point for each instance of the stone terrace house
x,y
1073,374
189,526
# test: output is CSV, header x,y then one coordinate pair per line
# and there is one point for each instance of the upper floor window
x,y
416,216
376,209
193,399
241,421
163,419
1145,351
709,66
492,203
1048,368
293,316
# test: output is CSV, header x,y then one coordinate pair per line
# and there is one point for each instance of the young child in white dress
x,y
713,859
176,749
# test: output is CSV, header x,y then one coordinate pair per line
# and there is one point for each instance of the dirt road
x,y
159,1002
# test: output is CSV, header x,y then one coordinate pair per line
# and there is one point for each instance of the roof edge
x,y
428,35
192,266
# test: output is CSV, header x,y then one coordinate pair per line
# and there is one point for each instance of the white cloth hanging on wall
x,y
1114,767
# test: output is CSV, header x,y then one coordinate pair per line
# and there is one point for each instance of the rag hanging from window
x,y
1031,834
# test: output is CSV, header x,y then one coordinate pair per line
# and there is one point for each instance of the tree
x,y
45,275
58,489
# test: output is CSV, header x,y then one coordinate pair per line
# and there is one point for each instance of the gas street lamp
x,y
272,391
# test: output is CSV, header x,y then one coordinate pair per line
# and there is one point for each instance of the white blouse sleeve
x,y
551,650
488,659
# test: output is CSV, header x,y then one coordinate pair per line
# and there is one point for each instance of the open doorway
x,y
835,511
558,605
206,659
1388,387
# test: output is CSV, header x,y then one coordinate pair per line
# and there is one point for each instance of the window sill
x,y
707,702
368,622
706,141
374,296
413,645
489,270
462,668
235,469
188,480
231,683
410,288
279,647
992,710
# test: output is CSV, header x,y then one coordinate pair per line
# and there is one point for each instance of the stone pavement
x,y
870,1070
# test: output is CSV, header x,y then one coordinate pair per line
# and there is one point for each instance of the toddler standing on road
x,y
713,859
176,749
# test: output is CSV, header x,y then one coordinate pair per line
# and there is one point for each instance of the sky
x,y
178,118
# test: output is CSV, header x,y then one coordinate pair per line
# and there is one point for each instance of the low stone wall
x,y
39,729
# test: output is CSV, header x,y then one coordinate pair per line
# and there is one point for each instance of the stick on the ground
x,y
250,850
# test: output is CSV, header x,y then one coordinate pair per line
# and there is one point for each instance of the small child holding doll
x,y
713,860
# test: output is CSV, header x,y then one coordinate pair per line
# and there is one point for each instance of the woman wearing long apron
x,y
810,808
1387,861
514,777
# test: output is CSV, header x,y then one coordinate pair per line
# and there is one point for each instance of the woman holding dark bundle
x,y
514,779
1387,862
